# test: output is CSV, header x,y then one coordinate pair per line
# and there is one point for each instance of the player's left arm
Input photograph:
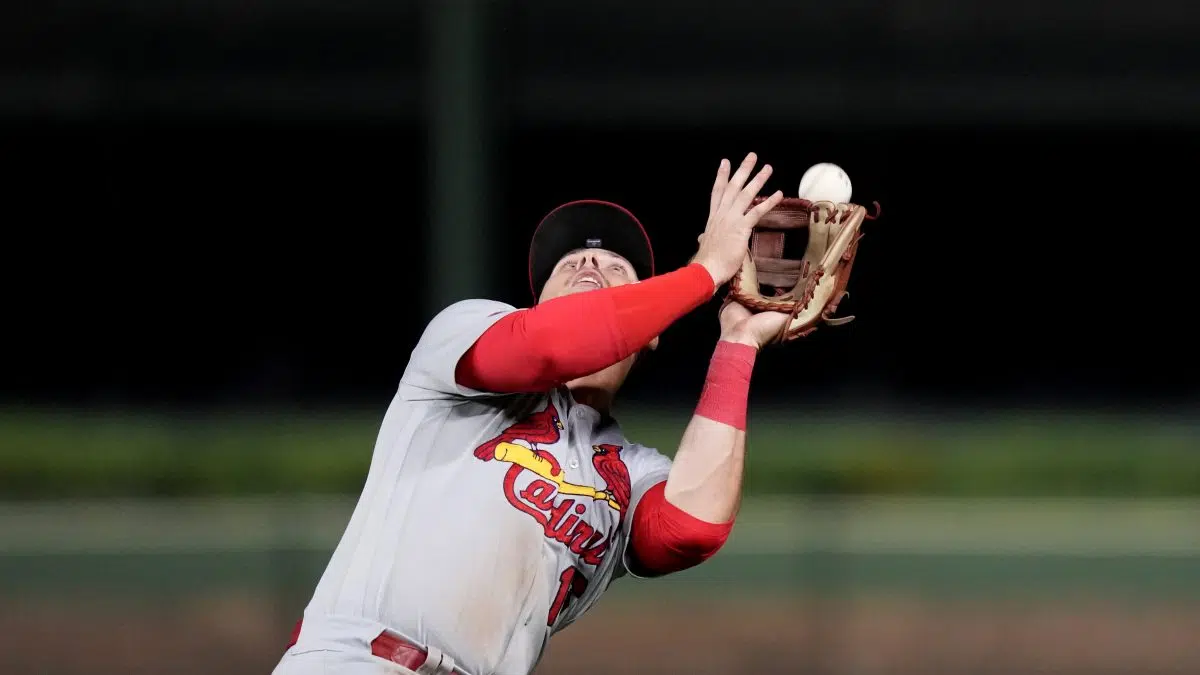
x,y
686,519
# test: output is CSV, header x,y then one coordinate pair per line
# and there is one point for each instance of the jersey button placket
x,y
574,435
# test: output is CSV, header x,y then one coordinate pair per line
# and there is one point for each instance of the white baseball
x,y
825,182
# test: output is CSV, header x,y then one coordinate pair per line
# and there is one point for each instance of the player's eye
x,y
618,268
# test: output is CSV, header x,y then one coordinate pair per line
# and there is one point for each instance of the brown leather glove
x,y
808,290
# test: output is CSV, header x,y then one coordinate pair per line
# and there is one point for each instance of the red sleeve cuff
x,y
727,386
666,539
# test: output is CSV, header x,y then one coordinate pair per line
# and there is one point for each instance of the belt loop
x,y
433,662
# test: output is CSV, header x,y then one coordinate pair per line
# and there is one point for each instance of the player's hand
x,y
726,238
740,325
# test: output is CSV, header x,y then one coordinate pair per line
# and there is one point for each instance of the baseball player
x,y
502,497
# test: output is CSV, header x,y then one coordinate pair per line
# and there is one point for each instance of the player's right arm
x,y
536,349
481,347
565,338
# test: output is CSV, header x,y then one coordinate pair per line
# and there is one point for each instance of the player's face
x,y
587,270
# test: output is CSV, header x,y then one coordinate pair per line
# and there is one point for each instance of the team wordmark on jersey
x,y
553,502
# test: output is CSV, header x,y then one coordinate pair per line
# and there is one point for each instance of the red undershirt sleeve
x,y
666,539
539,348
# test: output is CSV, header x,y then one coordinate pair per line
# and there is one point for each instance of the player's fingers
x,y
719,184
748,193
763,208
737,180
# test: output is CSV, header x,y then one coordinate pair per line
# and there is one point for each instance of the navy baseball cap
x,y
588,223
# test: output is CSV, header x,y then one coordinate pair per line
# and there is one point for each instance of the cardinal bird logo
x,y
518,445
540,427
606,458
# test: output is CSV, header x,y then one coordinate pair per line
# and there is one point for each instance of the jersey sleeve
x,y
647,468
430,370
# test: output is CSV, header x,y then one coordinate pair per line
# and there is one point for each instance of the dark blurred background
x,y
227,224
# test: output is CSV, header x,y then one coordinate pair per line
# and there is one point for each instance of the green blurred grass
x,y
292,573
49,454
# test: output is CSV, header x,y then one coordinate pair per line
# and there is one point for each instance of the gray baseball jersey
x,y
486,523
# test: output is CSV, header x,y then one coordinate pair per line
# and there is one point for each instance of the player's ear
x,y
653,344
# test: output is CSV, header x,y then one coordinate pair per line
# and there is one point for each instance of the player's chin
x,y
581,288
570,290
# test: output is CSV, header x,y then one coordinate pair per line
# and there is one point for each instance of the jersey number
x,y
571,584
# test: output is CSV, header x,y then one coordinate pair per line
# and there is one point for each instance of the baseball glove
x,y
807,290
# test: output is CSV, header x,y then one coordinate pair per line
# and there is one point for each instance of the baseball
x,y
825,182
